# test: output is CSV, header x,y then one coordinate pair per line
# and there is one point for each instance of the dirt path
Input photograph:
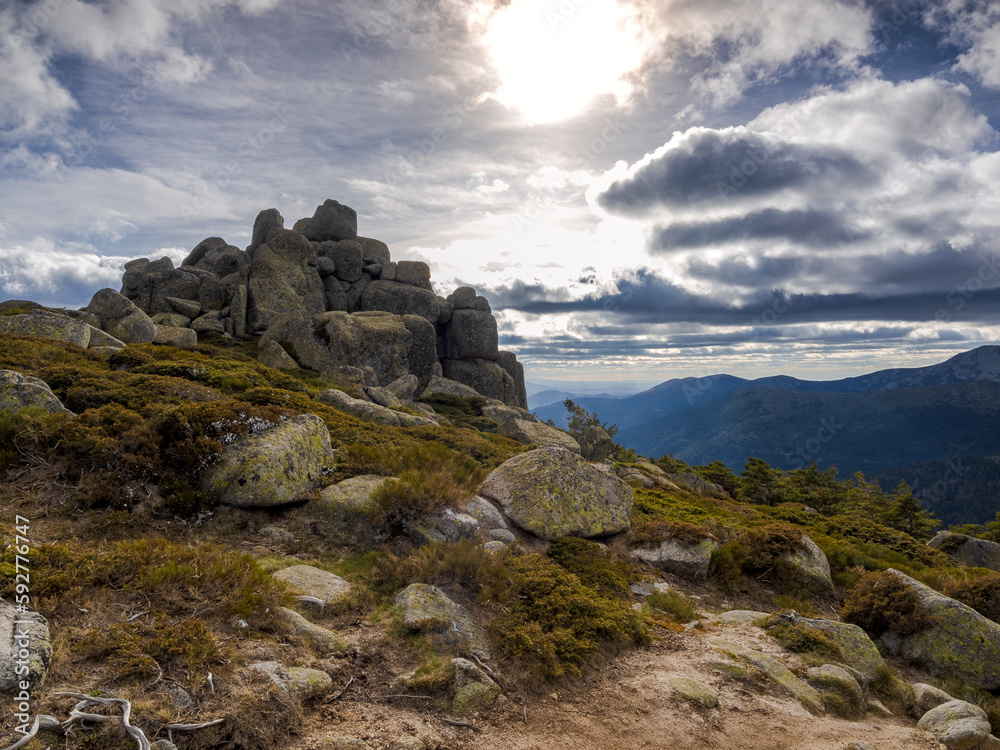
x,y
630,704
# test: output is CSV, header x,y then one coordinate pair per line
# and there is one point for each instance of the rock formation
x,y
325,297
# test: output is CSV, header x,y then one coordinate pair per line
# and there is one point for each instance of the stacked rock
x,y
322,297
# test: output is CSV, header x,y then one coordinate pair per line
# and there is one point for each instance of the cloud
x,y
975,26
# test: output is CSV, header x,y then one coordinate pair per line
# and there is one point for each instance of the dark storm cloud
x,y
807,226
703,165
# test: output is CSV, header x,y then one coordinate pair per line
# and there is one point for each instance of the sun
x,y
554,58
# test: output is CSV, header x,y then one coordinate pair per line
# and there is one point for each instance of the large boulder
x,y
274,467
422,354
508,362
218,257
331,221
486,377
182,338
315,582
465,298
926,697
553,492
596,444
471,334
961,643
378,340
376,251
25,649
267,221
428,608
857,649
842,693
401,299
120,317
347,257
350,508
956,724
811,566
531,431
439,386
283,278
968,550
19,391
151,285
690,559
369,411
414,272
47,325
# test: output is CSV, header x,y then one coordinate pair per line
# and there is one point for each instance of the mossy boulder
x,y
300,682
474,689
926,697
810,565
429,609
841,692
19,391
310,581
857,649
274,467
323,640
378,340
553,492
283,278
120,317
694,691
350,509
807,695
957,725
968,550
182,338
370,412
692,560
527,431
47,325
960,643
28,631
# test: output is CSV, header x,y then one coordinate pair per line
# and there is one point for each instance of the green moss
x,y
594,565
674,604
805,640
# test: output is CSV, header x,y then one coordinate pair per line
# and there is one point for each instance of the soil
x,y
627,702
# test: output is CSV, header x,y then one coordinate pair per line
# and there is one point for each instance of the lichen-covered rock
x,y
273,355
957,724
350,508
509,364
968,550
728,668
690,560
596,444
47,325
696,484
121,318
267,221
439,386
323,640
527,432
961,643
447,526
404,388
401,299
19,391
694,691
218,257
428,608
370,412
842,693
310,581
274,467
182,338
926,697
379,340
474,689
469,334
484,512
24,645
300,682
485,376
858,650
812,567
553,492
414,272
282,279
807,695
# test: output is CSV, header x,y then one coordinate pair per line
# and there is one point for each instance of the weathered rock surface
x,y
273,355
842,693
274,467
121,318
812,566
283,279
968,550
377,340
401,299
807,695
858,650
926,697
957,724
553,492
485,376
350,508
28,631
596,444
694,691
370,412
962,643
47,325
331,221
323,640
19,391
182,338
429,608
690,560
474,689
528,431
310,581
300,682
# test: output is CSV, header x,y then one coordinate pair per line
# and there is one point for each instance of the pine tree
x,y
907,514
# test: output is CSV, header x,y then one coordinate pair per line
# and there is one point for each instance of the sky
x,y
644,189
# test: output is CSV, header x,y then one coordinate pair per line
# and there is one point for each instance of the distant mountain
x,y
546,398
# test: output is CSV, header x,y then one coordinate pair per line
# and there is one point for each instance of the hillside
x,y
229,549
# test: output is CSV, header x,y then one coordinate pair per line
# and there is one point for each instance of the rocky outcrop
x,y
552,492
25,648
120,317
957,725
968,550
369,411
692,560
47,325
274,467
19,391
960,643
811,566
926,697
857,649
314,582
308,289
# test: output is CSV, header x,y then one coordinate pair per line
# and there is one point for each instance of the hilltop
x,y
268,523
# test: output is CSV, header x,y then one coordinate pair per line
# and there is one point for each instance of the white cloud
x,y
976,26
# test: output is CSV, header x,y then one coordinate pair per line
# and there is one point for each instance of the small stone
x,y
305,579
694,691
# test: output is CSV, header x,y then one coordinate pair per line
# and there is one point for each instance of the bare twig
x,y
189,727
400,695
455,723
137,734
344,690
42,721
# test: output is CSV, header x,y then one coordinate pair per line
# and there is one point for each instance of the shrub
x,y
881,602
128,358
806,641
728,562
595,567
982,594
674,604
654,532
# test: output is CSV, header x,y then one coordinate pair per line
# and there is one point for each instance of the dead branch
x,y
137,734
342,691
455,723
42,721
